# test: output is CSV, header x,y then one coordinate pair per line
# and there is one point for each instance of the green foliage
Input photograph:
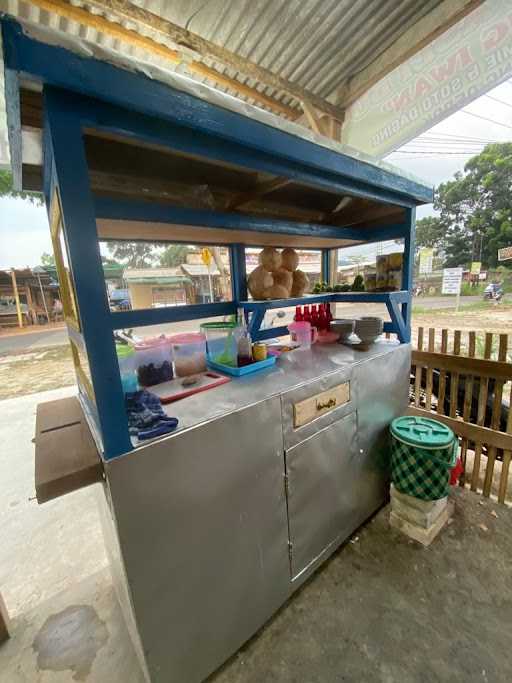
x,y
430,232
476,209
47,259
133,254
6,190
469,289
174,255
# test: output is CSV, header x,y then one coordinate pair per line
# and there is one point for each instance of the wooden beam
x,y
472,432
206,49
16,297
313,119
474,367
4,621
363,212
260,190
82,16
418,36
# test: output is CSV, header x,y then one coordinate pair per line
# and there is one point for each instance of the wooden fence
x,y
464,379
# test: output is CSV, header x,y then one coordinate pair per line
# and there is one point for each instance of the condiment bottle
x,y
298,314
244,345
306,316
329,315
314,316
322,318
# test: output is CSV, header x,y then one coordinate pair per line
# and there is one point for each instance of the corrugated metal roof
x,y
317,44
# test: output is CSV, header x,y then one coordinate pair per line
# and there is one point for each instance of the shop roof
x,y
155,276
199,270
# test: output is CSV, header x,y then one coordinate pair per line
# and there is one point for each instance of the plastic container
x,y
126,360
423,453
303,333
153,361
221,342
246,369
189,353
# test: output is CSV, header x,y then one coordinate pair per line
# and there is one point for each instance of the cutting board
x,y
171,391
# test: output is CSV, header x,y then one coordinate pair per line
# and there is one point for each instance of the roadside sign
x,y
505,254
426,258
476,267
452,280
206,256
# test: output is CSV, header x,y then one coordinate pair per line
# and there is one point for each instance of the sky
x,y
26,224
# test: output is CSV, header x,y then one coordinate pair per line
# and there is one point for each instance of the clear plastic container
x,y
153,361
221,342
126,360
303,333
189,353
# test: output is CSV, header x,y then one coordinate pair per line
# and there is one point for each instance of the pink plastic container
x,y
303,333
189,353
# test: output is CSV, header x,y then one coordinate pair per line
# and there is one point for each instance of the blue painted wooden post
x,y
79,223
408,267
238,273
326,267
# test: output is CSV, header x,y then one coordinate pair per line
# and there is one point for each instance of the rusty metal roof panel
x,y
317,44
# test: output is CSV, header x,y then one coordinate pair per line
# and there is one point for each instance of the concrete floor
x,y
382,610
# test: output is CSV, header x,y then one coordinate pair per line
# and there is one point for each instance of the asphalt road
x,y
36,340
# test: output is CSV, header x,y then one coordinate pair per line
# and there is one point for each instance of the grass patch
x,y
463,308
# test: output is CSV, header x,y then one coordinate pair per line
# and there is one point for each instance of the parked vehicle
x,y
493,292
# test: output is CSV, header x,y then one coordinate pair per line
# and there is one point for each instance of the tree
x,y
430,232
133,254
6,190
174,255
47,259
475,206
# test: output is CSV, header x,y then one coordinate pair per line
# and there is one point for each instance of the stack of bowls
x,y
344,327
369,328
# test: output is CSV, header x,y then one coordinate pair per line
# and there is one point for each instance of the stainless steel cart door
x,y
322,476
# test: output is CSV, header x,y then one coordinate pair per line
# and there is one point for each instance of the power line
x,y
452,136
496,99
439,154
485,118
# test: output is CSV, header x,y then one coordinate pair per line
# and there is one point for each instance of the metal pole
x,y
210,283
17,298
44,300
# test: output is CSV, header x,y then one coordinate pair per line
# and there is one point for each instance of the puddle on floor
x,y
70,640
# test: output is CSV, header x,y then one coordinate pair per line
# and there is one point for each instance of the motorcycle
x,y
493,292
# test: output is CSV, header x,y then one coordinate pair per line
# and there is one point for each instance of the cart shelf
x,y
396,303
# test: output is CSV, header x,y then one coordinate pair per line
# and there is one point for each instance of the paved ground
x,y
51,337
383,610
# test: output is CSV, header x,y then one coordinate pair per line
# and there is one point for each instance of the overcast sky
x,y
27,229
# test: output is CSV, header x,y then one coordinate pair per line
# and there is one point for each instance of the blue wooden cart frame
x,y
80,93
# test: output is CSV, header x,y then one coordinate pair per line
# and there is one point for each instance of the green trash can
x,y
423,451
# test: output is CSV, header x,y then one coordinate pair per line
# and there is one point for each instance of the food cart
x,y
209,529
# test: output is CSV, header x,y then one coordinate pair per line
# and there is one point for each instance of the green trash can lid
x,y
422,431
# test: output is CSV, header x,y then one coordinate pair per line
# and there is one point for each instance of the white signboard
x,y
452,280
505,253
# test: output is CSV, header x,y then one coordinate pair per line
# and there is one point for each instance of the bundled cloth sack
x,y
146,417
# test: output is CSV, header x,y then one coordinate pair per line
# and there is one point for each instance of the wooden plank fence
x,y
464,379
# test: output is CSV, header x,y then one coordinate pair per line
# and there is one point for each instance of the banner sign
x,y
452,280
476,267
426,258
466,61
